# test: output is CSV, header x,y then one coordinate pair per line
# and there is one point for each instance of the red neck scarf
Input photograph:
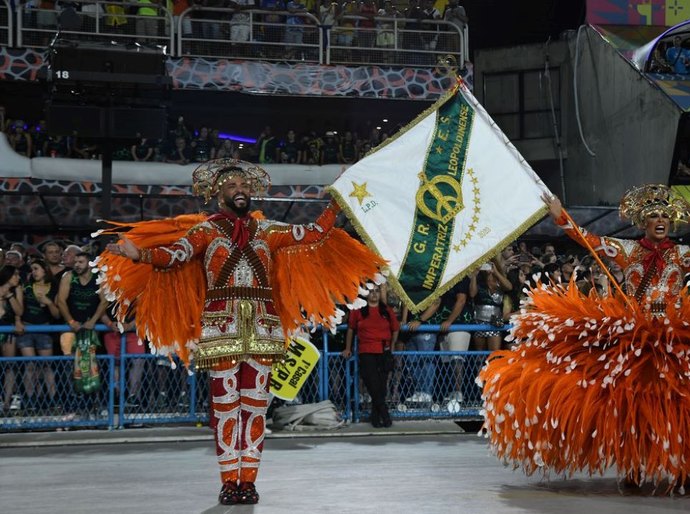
x,y
655,256
240,230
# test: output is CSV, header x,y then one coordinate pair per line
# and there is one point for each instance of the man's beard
x,y
240,211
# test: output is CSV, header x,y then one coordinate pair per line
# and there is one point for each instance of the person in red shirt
x,y
377,332
366,33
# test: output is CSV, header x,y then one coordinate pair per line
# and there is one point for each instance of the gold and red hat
x,y
641,201
209,177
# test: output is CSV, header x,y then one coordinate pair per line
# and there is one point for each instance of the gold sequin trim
x,y
210,353
145,255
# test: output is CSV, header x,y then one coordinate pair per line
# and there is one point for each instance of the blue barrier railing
x,y
47,329
467,404
145,389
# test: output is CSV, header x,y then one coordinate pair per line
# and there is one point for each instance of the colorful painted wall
x,y
257,77
665,13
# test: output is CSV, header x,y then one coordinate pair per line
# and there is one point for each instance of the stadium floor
x,y
420,473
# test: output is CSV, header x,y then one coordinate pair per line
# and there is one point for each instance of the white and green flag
x,y
441,197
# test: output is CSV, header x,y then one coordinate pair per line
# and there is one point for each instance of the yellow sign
x,y
289,376
677,11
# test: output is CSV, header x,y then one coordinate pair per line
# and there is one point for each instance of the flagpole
x,y
592,251
604,268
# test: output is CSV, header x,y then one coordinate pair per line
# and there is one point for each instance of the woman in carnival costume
x,y
228,290
602,382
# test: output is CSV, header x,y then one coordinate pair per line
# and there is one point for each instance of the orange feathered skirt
x,y
592,383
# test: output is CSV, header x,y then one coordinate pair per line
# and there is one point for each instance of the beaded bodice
x,y
655,289
239,317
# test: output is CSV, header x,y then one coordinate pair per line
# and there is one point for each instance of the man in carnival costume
x,y
251,282
598,382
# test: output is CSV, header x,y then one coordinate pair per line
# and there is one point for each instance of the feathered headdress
x,y
209,177
641,201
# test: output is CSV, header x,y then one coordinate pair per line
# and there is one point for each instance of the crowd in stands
x,y
185,145
358,31
672,56
352,19
504,281
54,285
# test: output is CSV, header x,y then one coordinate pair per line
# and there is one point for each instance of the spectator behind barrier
x,y
113,345
38,308
488,287
678,57
10,314
377,329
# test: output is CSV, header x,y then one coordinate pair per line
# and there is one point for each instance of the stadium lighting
x,y
234,137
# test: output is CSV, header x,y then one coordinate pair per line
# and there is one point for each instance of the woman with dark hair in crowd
x,y
10,314
20,140
227,150
518,280
142,150
488,287
39,308
553,271
583,279
377,332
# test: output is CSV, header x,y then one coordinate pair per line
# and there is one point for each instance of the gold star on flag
x,y
360,192
439,150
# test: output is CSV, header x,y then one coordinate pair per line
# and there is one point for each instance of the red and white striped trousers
x,y
239,401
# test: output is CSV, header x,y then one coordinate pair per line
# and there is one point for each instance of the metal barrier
x,y
6,23
249,34
145,389
50,401
95,21
155,390
395,41
454,393
39,392
338,378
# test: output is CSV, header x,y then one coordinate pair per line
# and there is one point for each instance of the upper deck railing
x,y
91,22
251,34
6,23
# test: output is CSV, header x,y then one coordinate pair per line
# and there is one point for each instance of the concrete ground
x,y
415,467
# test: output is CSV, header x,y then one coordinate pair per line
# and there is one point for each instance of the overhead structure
x,y
107,91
